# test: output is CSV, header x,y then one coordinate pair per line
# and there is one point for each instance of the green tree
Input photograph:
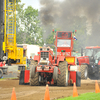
x,y
79,24
81,41
28,26
50,39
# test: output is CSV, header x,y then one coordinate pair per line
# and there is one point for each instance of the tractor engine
x,y
45,65
44,56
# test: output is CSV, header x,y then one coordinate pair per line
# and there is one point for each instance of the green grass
x,y
86,96
8,78
2,79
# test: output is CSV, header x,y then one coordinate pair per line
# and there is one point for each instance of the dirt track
x,y
26,92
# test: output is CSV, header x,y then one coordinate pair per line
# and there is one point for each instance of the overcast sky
x,y
34,3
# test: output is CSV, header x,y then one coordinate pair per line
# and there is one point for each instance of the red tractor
x,y
60,69
90,63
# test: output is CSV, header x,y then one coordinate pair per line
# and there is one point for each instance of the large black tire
x,y
1,73
32,71
78,78
55,74
84,71
34,78
63,76
97,73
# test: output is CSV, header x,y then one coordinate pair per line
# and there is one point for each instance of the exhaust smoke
x,y
69,14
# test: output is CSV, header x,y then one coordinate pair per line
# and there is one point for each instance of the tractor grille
x,y
44,55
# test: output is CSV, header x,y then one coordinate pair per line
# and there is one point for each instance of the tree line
x,y
30,30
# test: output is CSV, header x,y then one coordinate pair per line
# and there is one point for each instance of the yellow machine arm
x,y
9,45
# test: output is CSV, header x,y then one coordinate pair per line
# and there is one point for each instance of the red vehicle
x,y
90,63
3,69
60,69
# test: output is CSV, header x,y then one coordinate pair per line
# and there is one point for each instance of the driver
x,y
65,44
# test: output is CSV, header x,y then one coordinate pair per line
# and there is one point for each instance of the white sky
x,y
34,3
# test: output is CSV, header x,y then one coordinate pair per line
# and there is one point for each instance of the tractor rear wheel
x,y
32,71
34,76
63,76
97,75
84,71
1,73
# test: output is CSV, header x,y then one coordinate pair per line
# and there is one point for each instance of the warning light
x,y
61,50
74,31
53,30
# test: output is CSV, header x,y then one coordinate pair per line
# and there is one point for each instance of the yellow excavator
x,y
8,46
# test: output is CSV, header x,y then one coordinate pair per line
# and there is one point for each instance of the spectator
x,y
27,62
30,59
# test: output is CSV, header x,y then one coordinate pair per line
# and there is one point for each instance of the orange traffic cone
x,y
47,96
13,97
97,90
75,94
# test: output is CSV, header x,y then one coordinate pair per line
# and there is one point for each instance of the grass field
x,y
86,96
8,78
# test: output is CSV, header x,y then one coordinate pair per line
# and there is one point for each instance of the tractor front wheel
x,y
63,76
1,73
34,76
32,71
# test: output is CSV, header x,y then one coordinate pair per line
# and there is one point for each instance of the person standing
x,y
27,62
30,59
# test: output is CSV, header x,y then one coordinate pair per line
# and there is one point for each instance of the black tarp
x,y
1,26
